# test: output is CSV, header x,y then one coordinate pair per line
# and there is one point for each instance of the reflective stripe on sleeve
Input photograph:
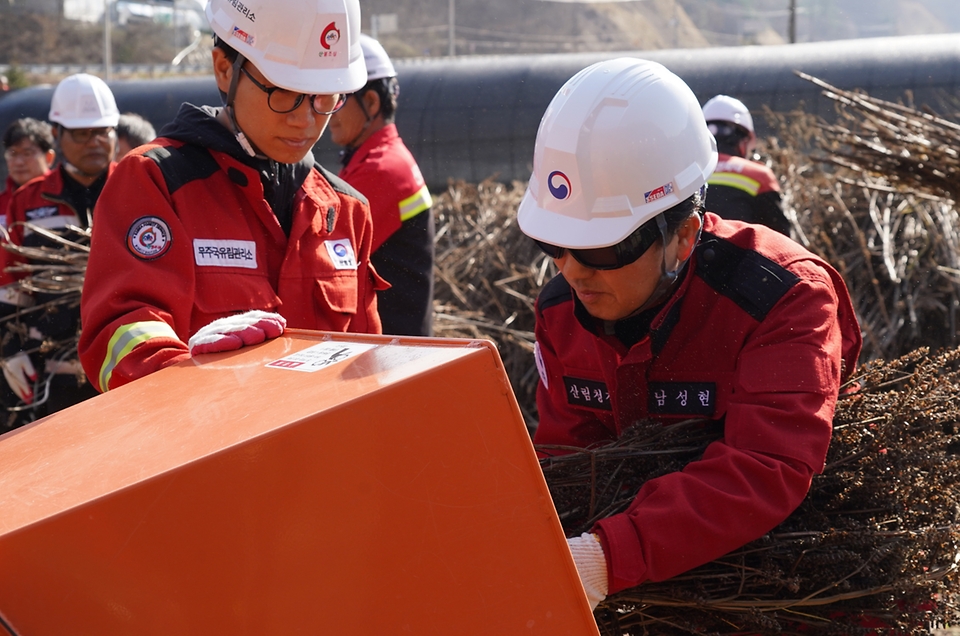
x,y
125,339
734,180
412,206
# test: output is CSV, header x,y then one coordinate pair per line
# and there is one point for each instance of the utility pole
x,y
793,22
107,61
176,27
451,30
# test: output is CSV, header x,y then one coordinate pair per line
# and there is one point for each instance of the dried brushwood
x,y
52,274
487,276
875,195
876,541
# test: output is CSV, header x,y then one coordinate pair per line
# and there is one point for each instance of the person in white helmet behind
x,y
234,232
377,163
663,312
741,189
84,115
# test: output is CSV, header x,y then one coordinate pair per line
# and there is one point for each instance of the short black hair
x,y
39,132
682,211
228,50
388,89
135,129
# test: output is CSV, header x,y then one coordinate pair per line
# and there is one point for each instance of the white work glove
x,y
20,375
233,332
591,565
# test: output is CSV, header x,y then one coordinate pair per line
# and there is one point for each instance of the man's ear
x,y
371,103
222,69
687,235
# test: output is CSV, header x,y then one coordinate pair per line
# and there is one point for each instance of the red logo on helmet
x,y
330,36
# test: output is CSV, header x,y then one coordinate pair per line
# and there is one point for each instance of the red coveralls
x,y
386,173
758,335
5,197
42,201
166,261
744,190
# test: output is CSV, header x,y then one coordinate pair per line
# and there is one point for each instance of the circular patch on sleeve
x,y
149,238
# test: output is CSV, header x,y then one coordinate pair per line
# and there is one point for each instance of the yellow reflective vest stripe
x,y
735,180
125,339
412,206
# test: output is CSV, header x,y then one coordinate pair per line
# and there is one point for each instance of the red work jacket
x,y
757,337
184,236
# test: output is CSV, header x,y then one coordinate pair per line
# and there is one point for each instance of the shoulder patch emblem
x,y
149,238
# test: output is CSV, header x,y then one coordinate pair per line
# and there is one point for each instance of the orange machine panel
x,y
315,484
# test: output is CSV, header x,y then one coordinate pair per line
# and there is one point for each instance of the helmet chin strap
x,y
228,107
353,142
668,280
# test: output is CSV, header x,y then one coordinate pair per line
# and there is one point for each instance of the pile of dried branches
x,y
488,274
877,538
52,274
875,194
58,267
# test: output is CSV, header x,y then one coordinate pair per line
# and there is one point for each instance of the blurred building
x,y
169,12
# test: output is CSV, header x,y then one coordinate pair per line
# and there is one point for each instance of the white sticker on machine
x,y
320,356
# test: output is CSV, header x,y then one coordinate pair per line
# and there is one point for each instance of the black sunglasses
x,y
615,256
280,100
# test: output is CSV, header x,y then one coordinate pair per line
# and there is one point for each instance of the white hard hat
x,y
83,101
376,58
305,46
726,108
622,141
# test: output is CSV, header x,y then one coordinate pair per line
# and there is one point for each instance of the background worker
x,y
132,131
84,114
377,163
28,152
663,313
236,232
740,189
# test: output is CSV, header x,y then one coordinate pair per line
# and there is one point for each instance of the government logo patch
x,y
149,238
341,253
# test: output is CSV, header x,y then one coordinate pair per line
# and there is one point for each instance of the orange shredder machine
x,y
315,484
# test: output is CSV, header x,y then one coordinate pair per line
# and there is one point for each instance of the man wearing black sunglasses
x,y
223,230
664,312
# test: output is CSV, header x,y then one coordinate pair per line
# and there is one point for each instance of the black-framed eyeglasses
x,y
280,100
83,135
615,256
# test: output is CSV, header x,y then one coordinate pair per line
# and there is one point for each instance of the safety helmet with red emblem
x,y
305,46
622,141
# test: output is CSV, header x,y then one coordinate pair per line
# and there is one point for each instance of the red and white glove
x,y
233,332
20,375
591,565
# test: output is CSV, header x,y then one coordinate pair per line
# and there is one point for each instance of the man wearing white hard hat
x,y
377,163
223,231
663,312
740,189
84,116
